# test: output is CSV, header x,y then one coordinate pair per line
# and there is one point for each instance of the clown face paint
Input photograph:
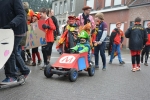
x,y
6,45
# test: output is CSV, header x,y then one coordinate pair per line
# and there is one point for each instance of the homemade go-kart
x,y
69,65
6,48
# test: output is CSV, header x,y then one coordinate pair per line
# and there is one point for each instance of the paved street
x,y
116,83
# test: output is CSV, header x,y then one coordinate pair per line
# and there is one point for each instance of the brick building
x,y
124,11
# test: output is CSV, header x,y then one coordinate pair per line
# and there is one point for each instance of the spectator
x,y
100,41
50,13
146,48
137,38
14,19
116,40
83,19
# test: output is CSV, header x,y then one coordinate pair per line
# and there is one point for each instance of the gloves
x,y
48,27
44,26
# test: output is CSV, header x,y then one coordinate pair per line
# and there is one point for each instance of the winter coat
x,y
137,37
12,14
56,32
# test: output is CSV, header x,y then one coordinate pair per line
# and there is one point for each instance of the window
x,y
145,23
90,3
55,9
113,26
117,2
131,23
64,22
61,8
59,22
107,3
65,6
72,5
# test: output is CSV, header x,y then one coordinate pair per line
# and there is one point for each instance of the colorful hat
x,y
83,34
71,17
37,14
86,8
31,12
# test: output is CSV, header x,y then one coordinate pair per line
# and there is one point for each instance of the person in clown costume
x,y
35,52
83,45
67,39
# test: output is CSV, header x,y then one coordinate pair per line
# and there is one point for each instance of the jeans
x,y
100,48
116,47
15,57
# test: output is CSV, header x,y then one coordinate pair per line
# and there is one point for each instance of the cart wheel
x,y
47,72
73,75
91,70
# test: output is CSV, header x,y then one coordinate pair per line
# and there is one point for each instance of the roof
x,y
139,3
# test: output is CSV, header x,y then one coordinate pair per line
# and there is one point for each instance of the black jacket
x,y
56,24
137,37
12,14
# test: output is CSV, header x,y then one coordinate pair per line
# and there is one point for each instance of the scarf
x,y
85,18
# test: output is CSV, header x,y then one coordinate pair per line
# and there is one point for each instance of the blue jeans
x,y
10,66
100,48
116,47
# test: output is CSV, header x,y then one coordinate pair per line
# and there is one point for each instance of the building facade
x,y
124,11
64,8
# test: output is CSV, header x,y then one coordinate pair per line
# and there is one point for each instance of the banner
x,y
35,35
6,45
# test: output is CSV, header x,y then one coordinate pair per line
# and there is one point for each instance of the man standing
x,y
50,13
13,17
137,39
116,40
146,48
100,40
85,17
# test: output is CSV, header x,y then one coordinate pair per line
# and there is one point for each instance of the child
x,y
49,27
116,40
35,52
137,38
146,49
84,45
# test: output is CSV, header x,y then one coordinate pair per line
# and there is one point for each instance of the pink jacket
x,y
81,21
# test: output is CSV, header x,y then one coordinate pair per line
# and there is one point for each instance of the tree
x,y
36,5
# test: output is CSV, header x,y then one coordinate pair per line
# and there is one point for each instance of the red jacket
x,y
49,32
148,35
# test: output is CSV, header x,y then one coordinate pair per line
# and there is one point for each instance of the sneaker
x,y
9,80
26,76
133,70
39,62
138,68
146,64
33,64
96,66
42,68
104,68
110,62
121,63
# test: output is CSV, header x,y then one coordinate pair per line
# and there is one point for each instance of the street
x,y
116,83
